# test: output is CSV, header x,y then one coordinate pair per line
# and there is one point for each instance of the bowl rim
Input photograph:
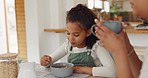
x,y
71,64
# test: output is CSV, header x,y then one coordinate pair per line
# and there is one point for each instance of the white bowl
x,y
62,69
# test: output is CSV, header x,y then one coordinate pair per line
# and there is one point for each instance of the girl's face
x,y
76,35
140,8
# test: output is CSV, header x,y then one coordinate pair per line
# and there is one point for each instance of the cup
x,y
27,70
113,25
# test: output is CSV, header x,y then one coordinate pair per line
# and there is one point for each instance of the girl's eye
x,y
67,33
76,35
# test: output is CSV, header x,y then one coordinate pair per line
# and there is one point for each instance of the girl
x,y
82,47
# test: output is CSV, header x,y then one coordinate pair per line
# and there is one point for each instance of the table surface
x,y
43,72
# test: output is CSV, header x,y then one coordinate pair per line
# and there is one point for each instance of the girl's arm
x,y
60,52
83,70
108,65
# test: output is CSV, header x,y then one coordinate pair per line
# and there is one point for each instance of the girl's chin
x,y
73,45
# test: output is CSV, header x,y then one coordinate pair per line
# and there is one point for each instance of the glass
x,y
8,65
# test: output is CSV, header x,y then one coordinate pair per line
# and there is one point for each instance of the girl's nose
x,y
71,38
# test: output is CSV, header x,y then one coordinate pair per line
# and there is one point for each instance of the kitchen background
x,y
44,22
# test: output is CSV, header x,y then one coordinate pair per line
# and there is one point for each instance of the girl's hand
x,y
82,70
45,60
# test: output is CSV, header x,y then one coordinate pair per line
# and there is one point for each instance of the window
x,y
8,34
104,5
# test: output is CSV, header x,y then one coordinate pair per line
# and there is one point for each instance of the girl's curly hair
x,y
85,17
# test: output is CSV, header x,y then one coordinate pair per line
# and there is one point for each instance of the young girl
x,y
82,46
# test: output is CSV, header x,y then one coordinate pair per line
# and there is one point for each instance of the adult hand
x,y
108,39
45,60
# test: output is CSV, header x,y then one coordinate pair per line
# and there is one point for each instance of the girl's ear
x,y
88,32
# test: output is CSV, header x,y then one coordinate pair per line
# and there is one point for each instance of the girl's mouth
x,y
72,43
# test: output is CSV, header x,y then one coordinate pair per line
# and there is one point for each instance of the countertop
x,y
131,29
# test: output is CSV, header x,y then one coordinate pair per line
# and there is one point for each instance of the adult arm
x,y
115,44
134,61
